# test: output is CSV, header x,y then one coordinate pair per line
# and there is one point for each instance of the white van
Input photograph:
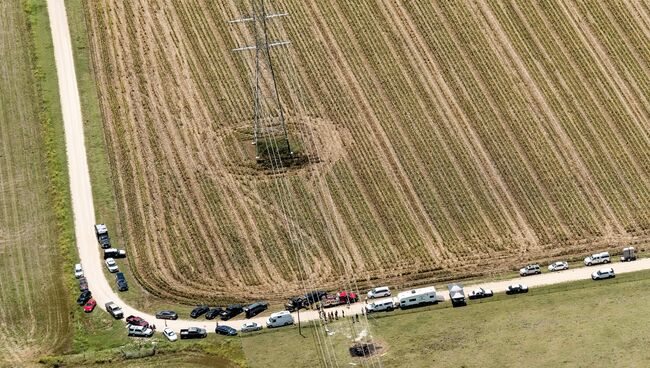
x,y
597,258
380,306
379,292
279,319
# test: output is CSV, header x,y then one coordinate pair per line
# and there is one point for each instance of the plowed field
x,y
448,139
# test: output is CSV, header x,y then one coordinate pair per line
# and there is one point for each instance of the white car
x,y
170,334
250,327
111,265
78,271
558,266
532,269
379,292
605,273
380,306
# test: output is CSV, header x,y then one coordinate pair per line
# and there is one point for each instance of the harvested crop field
x,y
445,139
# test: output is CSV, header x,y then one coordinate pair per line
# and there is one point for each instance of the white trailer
x,y
417,297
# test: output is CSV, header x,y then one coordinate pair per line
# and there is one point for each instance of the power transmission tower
x,y
264,78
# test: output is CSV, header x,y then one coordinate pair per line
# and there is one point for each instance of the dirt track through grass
x,y
462,132
34,312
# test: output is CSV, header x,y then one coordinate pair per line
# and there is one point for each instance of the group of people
x,y
331,316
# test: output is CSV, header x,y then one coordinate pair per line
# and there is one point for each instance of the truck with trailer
x,y
101,231
628,254
417,297
344,297
457,295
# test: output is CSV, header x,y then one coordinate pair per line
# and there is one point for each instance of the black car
x,y
296,303
516,289
315,296
84,297
231,311
199,311
256,308
120,280
193,333
225,330
167,314
214,313
104,240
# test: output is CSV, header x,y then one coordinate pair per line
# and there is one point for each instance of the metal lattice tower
x,y
266,100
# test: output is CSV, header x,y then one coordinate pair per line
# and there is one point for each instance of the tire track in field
x,y
436,86
567,150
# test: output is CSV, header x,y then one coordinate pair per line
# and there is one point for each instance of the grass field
x,y
34,299
578,324
443,135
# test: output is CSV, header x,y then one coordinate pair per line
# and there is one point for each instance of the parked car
x,y
250,327
90,306
315,296
231,311
84,297
167,314
120,280
225,330
516,289
295,303
279,319
379,292
254,309
597,258
481,293
532,269
213,313
114,253
558,266
199,311
101,231
140,331
111,265
170,334
604,273
136,321
83,283
78,270
380,306
114,310
193,333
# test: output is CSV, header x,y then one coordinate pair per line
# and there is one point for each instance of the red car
x,y
136,321
90,306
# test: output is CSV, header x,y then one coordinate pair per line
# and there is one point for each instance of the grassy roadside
x,y
582,323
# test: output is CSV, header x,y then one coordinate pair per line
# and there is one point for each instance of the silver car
x,y
558,266
250,327
170,334
605,273
111,265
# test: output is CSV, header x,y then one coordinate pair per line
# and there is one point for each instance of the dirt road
x,y
84,213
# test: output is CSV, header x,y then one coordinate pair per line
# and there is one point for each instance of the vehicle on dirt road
x,y
380,306
193,333
213,313
101,231
90,306
628,254
140,331
516,289
83,283
170,334
114,253
231,311
417,297
279,319
136,321
597,258
480,293
295,303
84,297
254,309
199,311
111,265
250,327
558,266
379,292
167,314
78,270
604,273
225,330
315,296
120,280
532,269
114,310
457,295
343,297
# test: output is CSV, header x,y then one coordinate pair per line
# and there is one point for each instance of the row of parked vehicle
x,y
627,255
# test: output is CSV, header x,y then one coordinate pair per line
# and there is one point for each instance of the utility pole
x,y
263,68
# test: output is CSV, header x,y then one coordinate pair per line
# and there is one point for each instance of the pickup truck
x,y
193,333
